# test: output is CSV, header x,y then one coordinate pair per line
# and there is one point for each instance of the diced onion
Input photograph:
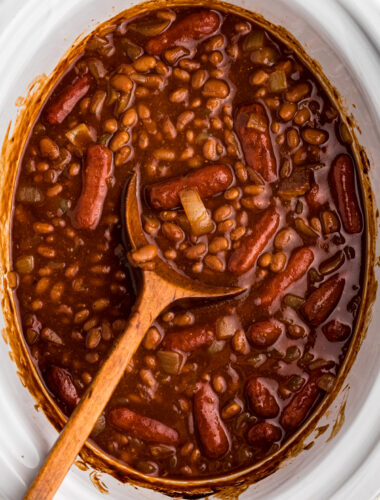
x,y
196,212
170,361
152,28
253,41
81,136
277,81
265,55
226,327
257,122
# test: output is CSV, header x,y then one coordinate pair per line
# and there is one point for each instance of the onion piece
x,y
196,212
226,327
253,41
257,122
277,81
81,136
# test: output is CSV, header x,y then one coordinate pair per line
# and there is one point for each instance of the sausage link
x,y
335,331
264,333
193,27
297,267
61,384
212,433
88,210
56,112
188,339
320,304
298,408
256,143
261,400
263,435
342,185
142,427
243,258
209,181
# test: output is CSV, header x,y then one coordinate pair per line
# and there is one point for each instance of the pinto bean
x,y
320,304
62,105
263,434
244,258
274,288
88,210
209,181
251,126
260,398
212,433
61,384
188,339
264,333
335,331
342,185
145,428
298,408
193,27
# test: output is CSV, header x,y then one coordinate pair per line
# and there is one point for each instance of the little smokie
x,y
246,177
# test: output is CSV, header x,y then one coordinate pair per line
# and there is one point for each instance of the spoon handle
x,y
155,296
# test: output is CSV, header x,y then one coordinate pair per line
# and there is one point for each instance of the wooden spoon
x,y
159,288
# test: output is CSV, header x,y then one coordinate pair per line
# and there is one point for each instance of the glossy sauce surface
x,y
247,177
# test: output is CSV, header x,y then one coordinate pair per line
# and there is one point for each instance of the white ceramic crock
x,y
343,36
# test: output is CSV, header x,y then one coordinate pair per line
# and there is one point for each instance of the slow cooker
x,y
340,458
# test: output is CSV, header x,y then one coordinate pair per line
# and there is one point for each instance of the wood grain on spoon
x,y
160,288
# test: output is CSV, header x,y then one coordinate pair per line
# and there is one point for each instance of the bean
x,y
43,228
284,238
302,116
47,252
152,338
100,304
259,77
173,55
214,263
119,140
184,119
198,78
93,338
298,92
239,342
287,111
169,128
218,244
181,74
314,136
222,213
195,252
143,111
216,58
215,42
189,64
54,191
219,384
122,83
225,226
49,149
292,138
57,291
144,254
81,316
232,194
172,231
129,118
164,154
179,95
216,88
42,285
278,262
230,410
144,63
